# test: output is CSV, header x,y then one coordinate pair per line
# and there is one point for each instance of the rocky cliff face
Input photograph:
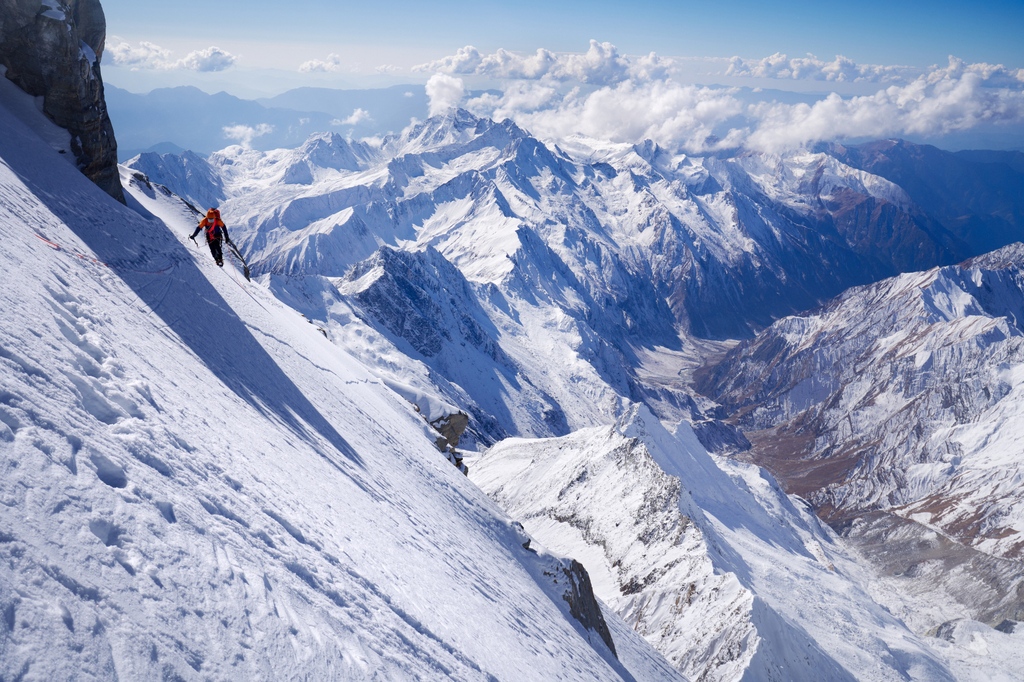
x,y
52,49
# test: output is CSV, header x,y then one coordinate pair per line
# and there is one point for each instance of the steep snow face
x,y
729,577
856,405
198,485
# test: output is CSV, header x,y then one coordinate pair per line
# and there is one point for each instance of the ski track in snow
x,y
195,484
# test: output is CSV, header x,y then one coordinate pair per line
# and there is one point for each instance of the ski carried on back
x,y
238,255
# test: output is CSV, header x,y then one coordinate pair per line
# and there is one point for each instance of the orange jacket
x,y
214,226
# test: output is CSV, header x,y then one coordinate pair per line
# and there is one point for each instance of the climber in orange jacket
x,y
216,231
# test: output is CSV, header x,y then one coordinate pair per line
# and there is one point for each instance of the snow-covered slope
x,y
198,485
711,561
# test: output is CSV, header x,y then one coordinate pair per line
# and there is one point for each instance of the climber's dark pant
x,y
215,249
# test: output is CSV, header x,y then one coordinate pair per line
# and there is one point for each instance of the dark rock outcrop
x,y
579,593
52,50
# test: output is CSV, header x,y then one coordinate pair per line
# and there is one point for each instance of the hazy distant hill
x,y
389,109
977,195
188,118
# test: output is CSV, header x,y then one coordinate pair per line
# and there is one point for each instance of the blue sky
x,y
278,37
616,71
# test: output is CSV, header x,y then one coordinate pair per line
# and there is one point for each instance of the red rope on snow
x,y
57,247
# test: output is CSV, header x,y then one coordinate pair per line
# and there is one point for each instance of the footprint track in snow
x,y
96,375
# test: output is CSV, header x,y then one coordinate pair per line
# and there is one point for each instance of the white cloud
x,y
244,134
388,69
994,74
466,61
444,92
208,60
679,116
601,64
954,98
142,56
507,65
357,117
146,55
840,70
332,64
845,70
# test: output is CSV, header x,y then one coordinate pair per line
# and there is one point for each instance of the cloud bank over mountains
x,y
606,95
146,55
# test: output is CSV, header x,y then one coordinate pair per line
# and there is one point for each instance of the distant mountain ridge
x,y
191,119
898,410
869,402
977,195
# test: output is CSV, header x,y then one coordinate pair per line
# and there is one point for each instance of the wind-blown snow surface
x,y
196,484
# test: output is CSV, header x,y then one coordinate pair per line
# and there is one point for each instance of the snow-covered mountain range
x,y
546,291
903,397
732,243
634,252
206,477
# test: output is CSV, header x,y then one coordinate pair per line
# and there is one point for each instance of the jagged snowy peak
x,y
710,561
331,150
801,180
198,485
192,178
453,134
322,153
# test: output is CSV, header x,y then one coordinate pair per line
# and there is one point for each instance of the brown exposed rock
x,y
451,427
53,51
